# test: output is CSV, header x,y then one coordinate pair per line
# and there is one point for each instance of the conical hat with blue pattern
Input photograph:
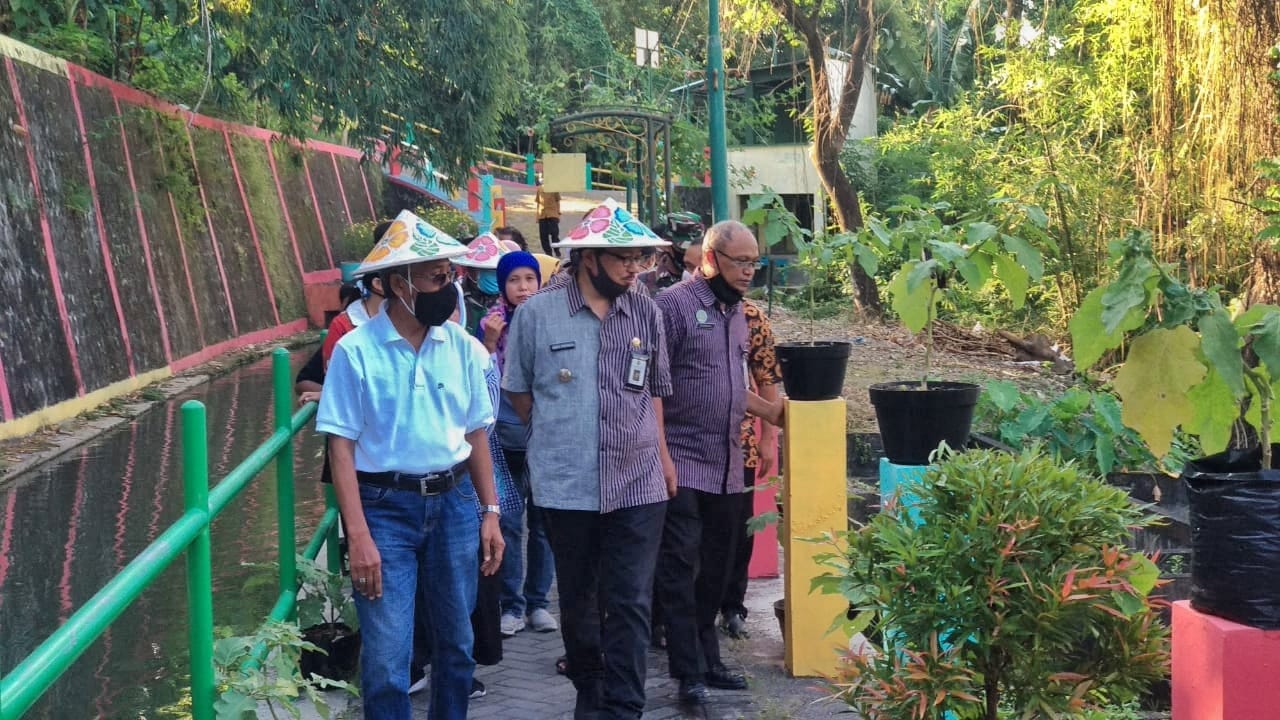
x,y
410,239
611,226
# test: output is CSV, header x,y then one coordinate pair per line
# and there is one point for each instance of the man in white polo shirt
x,y
405,406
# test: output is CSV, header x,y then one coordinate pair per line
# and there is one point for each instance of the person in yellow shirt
x,y
548,206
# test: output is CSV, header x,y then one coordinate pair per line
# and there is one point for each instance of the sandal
x,y
562,665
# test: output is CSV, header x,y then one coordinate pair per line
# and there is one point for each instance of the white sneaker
x,y
418,686
511,624
542,621
477,689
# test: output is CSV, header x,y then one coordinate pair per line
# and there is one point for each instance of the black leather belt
x,y
428,484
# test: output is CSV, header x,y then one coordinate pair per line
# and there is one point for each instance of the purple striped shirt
x,y
594,442
707,349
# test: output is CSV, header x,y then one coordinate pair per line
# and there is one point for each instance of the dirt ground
x,y
885,351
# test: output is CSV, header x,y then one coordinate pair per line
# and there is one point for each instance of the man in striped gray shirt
x,y
586,367
707,344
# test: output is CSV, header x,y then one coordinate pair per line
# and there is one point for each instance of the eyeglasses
x,y
435,280
643,261
741,263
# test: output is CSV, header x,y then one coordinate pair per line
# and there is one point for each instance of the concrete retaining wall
x,y
138,239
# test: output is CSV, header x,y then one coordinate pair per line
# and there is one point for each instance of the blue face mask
x,y
487,281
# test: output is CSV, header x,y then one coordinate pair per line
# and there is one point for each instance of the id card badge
x,y
746,372
637,371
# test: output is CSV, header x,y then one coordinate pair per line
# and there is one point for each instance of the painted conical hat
x,y
610,226
410,239
483,253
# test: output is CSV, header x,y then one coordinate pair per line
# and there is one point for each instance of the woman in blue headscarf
x,y
524,587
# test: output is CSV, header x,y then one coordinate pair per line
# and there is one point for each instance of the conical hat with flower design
x,y
610,226
410,239
483,253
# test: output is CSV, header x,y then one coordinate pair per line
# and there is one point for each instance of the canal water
x,y
67,527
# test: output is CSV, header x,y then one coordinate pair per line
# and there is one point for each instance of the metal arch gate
x,y
641,126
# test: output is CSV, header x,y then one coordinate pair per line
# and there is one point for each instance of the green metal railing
x,y
33,677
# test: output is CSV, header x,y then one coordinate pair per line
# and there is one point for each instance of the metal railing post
x,y
288,549
590,180
195,483
530,172
332,541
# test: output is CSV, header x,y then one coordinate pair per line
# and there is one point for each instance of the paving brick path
x,y
525,685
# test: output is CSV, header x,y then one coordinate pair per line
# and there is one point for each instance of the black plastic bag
x,y
1234,510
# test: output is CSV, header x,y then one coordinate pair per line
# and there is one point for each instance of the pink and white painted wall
x,y
138,239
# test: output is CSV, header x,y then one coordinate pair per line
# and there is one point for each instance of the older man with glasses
x,y
586,368
707,345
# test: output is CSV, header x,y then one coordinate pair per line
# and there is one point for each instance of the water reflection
x,y
68,527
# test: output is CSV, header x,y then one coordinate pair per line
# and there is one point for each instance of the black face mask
x,y
724,292
604,284
434,308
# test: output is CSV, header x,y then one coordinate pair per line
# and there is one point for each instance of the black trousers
x,y
486,623
735,594
604,573
549,232
699,540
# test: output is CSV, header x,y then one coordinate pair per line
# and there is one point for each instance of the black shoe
x,y
693,692
721,678
735,626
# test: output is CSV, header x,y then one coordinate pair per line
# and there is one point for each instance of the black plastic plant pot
x,y
1234,509
341,646
914,421
813,370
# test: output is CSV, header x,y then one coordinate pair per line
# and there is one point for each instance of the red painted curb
x,y
258,336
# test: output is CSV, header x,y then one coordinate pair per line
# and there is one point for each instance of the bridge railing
x,y
33,677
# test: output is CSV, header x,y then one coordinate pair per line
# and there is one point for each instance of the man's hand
x,y
309,396
366,566
669,475
492,543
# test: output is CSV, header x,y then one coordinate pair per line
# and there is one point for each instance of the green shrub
x,y
1006,583
449,219
356,241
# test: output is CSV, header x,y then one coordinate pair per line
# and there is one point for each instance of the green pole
x,y
334,550
589,180
195,483
628,196
715,110
530,172
288,550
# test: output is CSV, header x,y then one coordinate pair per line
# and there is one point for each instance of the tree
x,y
451,65
833,108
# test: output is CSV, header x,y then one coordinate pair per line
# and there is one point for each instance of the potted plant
x,y
1005,592
327,615
1196,366
812,369
916,415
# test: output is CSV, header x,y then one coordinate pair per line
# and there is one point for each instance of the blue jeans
x,y
540,570
436,538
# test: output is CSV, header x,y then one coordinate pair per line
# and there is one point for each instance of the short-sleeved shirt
x,y
762,362
707,347
594,442
407,412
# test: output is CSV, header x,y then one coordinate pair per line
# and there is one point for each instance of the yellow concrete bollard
x,y
814,493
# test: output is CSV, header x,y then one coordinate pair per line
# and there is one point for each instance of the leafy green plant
x,y
248,681
971,250
1004,581
1189,363
356,241
449,219
1076,425
322,595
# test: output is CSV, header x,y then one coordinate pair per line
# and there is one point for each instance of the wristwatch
x,y
495,509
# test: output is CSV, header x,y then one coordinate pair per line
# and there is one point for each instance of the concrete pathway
x,y
522,211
